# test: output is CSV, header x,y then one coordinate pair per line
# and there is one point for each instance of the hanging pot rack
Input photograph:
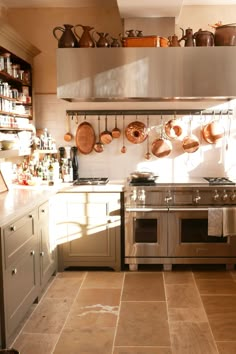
x,y
97,112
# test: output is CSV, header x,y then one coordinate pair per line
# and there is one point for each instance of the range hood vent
x,y
146,74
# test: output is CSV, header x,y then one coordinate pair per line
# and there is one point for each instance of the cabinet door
x,y
47,246
21,288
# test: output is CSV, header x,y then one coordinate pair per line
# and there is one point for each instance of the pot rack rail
x,y
97,112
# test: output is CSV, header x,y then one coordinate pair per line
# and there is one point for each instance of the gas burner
x,y
91,181
219,180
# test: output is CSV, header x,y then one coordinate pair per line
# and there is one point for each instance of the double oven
x,y
168,224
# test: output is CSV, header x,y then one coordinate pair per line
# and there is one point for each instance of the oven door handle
x,y
188,209
146,209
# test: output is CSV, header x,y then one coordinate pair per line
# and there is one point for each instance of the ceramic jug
x,y
130,33
67,39
188,37
102,39
204,38
139,33
174,41
85,40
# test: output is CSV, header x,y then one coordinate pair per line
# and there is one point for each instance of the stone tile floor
x,y
145,312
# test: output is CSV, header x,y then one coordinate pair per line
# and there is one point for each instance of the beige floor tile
x,y
221,313
191,338
182,295
216,287
221,274
36,343
85,341
142,350
49,317
72,274
142,324
103,280
226,347
193,314
98,308
233,273
143,287
64,287
176,277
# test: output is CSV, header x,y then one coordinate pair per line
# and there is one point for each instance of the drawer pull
x,y
32,253
30,216
42,254
43,211
14,271
13,228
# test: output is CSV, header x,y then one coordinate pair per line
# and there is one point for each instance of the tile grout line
x,y
205,312
167,309
69,312
118,315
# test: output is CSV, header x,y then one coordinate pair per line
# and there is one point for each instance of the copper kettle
x,y
67,39
173,41
85,40
188,37
204,38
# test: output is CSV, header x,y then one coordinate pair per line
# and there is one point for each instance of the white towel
x,y
229,221
215,222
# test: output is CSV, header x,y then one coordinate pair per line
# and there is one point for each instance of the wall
x,y
37,25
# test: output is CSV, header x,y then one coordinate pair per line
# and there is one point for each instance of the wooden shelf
x,y
12,114
45,151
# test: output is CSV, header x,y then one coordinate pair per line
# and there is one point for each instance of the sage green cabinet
x,y
88,229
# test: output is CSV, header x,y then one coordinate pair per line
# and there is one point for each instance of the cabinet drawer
x,y
17,236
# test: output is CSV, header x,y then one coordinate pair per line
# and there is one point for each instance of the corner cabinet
x,y
16,89
88,230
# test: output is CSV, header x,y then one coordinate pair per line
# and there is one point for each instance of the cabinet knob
x,y
43,211
42,253
30,216
14,271
13,228
32,253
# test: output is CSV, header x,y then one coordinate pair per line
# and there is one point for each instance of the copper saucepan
x,y
173,129
190,143
161,147
106,136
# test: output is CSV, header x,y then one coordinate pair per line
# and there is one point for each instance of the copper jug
x,y
85,40
130,33
139,33
204,38
67,39
102,39
115,42
188,37
174,41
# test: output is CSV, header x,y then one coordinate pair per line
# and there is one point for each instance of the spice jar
x,y
16,71
7,63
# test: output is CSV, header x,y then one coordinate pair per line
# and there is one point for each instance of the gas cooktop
x,y
219,180
91,181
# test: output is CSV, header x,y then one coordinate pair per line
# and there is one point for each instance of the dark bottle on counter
x,y
75,162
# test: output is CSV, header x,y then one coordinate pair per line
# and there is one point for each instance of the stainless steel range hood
x,y
185,74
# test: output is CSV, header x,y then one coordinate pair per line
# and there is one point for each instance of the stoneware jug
x,y
115,42
204,38
130,33
174,41
85,40
188,37
102,39
67,39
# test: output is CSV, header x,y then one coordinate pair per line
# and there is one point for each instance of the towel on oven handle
x,y
229,221
215,222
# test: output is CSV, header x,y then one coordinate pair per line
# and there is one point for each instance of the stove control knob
x,y
215,195
233,196
197,198
224,196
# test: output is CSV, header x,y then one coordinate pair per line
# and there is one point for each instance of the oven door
x,y
145,233
188,235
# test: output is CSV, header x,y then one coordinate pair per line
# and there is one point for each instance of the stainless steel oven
x,y
168,224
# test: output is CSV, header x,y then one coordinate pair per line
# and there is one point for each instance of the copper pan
x,y
173,129
213,132
190,143
161,147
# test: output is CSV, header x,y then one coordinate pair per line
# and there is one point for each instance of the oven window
x,y
196,230
145,230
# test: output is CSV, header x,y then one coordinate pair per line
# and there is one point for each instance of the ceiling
x,y
127,8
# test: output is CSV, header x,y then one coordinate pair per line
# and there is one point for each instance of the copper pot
x,y
204,38
173,129
136,132
225,35
106,136
190,144
212,132
161,147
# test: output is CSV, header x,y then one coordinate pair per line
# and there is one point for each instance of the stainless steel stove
x,y
167,223
91,181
